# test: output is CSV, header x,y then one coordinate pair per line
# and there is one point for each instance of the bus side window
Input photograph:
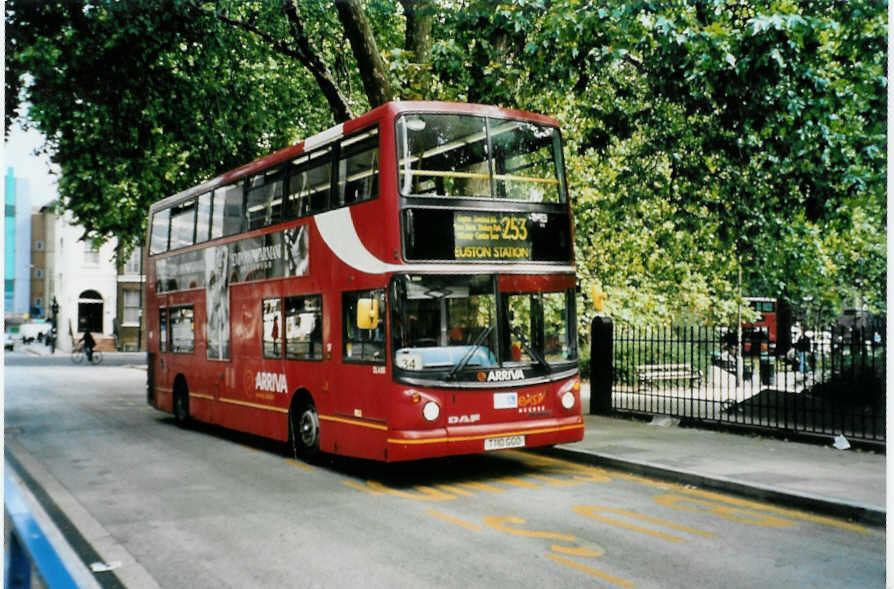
x,y
183,224
163,330
271,310
358,168
161,222
309,184
363,345
203,218
183,334
263,203
226,216
304,327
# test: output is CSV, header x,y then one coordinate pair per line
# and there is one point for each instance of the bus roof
x,y
387,110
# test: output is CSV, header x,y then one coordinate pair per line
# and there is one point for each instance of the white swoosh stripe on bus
x,y
337,230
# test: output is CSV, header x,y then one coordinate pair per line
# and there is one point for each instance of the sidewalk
x,y
117,358
842,483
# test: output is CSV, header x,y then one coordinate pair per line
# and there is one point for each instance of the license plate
x,y
504,442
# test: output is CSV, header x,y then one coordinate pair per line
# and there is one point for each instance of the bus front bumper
x,y
476,438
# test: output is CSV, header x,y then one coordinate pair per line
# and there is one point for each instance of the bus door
x,y
359,386
160,372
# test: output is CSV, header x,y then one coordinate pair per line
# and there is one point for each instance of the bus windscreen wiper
x,y
475,345
530,349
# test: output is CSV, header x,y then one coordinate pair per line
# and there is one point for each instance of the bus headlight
x,y
568,400
431,411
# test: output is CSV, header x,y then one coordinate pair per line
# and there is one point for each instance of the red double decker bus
x,y
399,286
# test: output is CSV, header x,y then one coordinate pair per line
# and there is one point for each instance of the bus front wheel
x,y
305,430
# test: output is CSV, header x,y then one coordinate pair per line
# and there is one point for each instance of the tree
x,y
141,100
754,129
703,139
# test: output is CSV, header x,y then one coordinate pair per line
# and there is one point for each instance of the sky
x,y
18,152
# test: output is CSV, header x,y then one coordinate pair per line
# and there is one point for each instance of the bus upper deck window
x,y
358,168
160,226
183,224
308,184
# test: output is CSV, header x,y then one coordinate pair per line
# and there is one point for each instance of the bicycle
x,y
78,355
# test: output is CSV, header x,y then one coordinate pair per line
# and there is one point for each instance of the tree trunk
x,y
375,77
338,104
417,40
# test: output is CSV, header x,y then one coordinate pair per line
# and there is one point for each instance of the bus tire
x,y
181,403
304,429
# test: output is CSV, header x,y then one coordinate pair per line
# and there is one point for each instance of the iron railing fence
x,y
833,382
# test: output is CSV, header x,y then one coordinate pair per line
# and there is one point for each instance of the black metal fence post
x,y
601,344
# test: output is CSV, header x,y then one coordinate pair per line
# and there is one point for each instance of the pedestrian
x,y
89,344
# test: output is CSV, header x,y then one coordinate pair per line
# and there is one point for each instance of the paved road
x,y
203,507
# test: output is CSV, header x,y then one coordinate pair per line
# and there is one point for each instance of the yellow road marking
x,y
577,550
517,482
299,464
556,482
456,490
498,522
591,571
590,511
736,514
453,520
361,487
422,493
818,519
482,487
714,496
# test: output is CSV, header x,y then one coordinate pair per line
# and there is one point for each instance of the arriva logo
x,y
504,375
271,382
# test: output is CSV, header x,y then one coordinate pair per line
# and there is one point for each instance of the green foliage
x,y
703,138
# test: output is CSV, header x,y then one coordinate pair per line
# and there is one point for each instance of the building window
x,y
91,256
133,264
38,273
38,245
132,307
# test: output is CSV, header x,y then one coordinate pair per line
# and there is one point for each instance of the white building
x,y
84,282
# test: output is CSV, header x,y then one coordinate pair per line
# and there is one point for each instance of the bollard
x,y
601,342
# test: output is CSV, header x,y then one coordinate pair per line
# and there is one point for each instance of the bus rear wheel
x,y
181,406
305,430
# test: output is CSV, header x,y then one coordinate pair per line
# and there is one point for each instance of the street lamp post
x,y
54,307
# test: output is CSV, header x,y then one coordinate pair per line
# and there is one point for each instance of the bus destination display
x,y
491,236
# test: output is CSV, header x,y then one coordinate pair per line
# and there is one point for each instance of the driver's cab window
x,y
363,332
521,328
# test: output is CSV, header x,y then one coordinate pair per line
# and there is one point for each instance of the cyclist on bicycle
x,y
89,344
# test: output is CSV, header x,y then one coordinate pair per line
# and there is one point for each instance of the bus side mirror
x,y
367,313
